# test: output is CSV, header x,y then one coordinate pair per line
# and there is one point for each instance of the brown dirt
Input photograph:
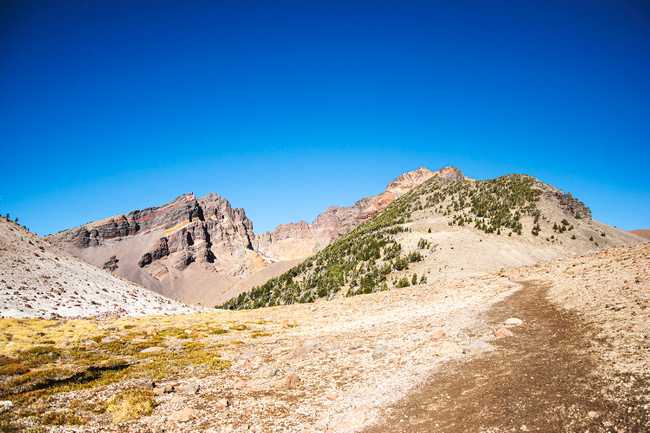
x,y
542,379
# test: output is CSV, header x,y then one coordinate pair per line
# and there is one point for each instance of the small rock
x,y
165,389
593,414
89,343
183,415
267,371
222,403
5,405
153,349
513,321
438,334
189,388
292,380
503,332
379,353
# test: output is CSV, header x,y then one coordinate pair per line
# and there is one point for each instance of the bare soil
x,y
541,379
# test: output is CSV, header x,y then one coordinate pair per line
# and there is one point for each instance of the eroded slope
x,y
37,279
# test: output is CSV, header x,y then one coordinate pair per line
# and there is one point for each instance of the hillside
x,y
201,250
445,228
38,280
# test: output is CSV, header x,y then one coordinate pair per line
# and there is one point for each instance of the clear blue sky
x,y
287,107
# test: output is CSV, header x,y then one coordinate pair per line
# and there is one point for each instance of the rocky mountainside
x,y
182,249
448,227
643,233
201,250
39,280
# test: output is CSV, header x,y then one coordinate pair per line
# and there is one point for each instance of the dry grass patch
x,y
257,334
131,404
42,359
61,417
238,327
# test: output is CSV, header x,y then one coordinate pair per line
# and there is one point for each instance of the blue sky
x,y
285,108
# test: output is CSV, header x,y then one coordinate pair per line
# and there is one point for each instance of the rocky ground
x,y
440,357
38,280
578,360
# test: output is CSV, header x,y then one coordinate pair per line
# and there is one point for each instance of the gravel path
x,y
542,378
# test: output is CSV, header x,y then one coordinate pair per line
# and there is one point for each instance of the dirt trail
x,y
539,380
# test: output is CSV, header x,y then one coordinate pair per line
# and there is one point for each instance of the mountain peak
x,y
411,179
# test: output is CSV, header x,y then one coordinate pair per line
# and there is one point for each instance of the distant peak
x,y
410,179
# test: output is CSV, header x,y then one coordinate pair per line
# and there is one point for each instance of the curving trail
x,y
542,379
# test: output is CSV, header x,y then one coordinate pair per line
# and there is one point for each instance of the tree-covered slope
x,y
363,261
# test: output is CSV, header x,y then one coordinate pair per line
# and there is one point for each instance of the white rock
x,y
513,321
5,405
189,388
154,349
593,414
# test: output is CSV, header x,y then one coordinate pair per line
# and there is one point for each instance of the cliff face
x,y
202,250
202,241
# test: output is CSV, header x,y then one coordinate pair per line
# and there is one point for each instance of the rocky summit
x,y
201,250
